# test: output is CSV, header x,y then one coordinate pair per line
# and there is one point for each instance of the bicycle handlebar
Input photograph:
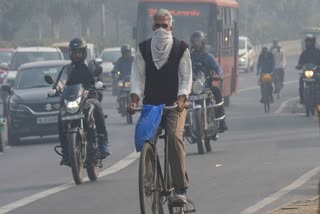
x,y
140,108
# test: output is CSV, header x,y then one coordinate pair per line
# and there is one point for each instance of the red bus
x,y
217,18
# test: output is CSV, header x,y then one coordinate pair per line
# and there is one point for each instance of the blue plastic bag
x,y
147,125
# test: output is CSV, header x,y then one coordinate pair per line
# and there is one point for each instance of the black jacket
x,y
266,64
310,56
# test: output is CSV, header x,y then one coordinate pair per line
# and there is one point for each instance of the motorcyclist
x,y
266,65
122,68
199,55
79,71
311,55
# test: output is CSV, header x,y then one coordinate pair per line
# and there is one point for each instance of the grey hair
x,y
161,13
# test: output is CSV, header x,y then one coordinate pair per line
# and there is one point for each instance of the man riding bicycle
x,y
265,66
162,74
280,64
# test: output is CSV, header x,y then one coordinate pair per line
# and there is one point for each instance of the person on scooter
x,y
311,55
79,71
199,55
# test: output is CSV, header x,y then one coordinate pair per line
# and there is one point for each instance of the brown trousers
x,y
174,123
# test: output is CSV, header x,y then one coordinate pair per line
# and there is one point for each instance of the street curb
x,y
289,204
292,106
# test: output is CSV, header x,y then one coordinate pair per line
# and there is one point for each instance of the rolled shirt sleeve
x,y
215,65
185,74
138,75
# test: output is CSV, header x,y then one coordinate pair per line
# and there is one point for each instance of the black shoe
x,y
104,147
64,161
222,126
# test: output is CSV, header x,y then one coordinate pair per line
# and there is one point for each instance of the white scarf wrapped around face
x,y
161,45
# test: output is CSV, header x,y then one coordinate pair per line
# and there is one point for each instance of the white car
x,y
246,54
22,55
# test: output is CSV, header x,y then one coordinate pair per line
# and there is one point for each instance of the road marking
x,y
257,87
296,184
285,104
27,200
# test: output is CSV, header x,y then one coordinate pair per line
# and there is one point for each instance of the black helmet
x,y
78,50
198,36
125,48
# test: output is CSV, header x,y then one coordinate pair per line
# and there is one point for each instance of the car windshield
x,y
242,44
65,52
24,57
34,77
5,56
110,56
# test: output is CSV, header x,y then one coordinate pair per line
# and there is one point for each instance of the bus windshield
x,y
187,19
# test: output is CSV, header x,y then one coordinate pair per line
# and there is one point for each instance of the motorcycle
x,y
81,135
124,98
311,79
202,124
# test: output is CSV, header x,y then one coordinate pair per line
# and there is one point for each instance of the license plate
x,y
45,120
309,80
198,97
73,117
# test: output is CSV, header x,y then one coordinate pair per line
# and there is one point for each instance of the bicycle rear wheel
x,y
149,191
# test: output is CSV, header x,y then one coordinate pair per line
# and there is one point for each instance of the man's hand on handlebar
x,y
181,103
53,92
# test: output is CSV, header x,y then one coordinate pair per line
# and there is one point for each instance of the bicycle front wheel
x,y
149,191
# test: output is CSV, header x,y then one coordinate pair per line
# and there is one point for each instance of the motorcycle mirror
x,y
4,66
99,85
98,61
48,79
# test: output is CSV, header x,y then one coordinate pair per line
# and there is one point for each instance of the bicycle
x,y
277,83
155,184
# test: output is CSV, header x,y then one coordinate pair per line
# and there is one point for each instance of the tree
x,y
13,14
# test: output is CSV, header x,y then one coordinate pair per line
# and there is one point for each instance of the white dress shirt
x,y
138,74
279,59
